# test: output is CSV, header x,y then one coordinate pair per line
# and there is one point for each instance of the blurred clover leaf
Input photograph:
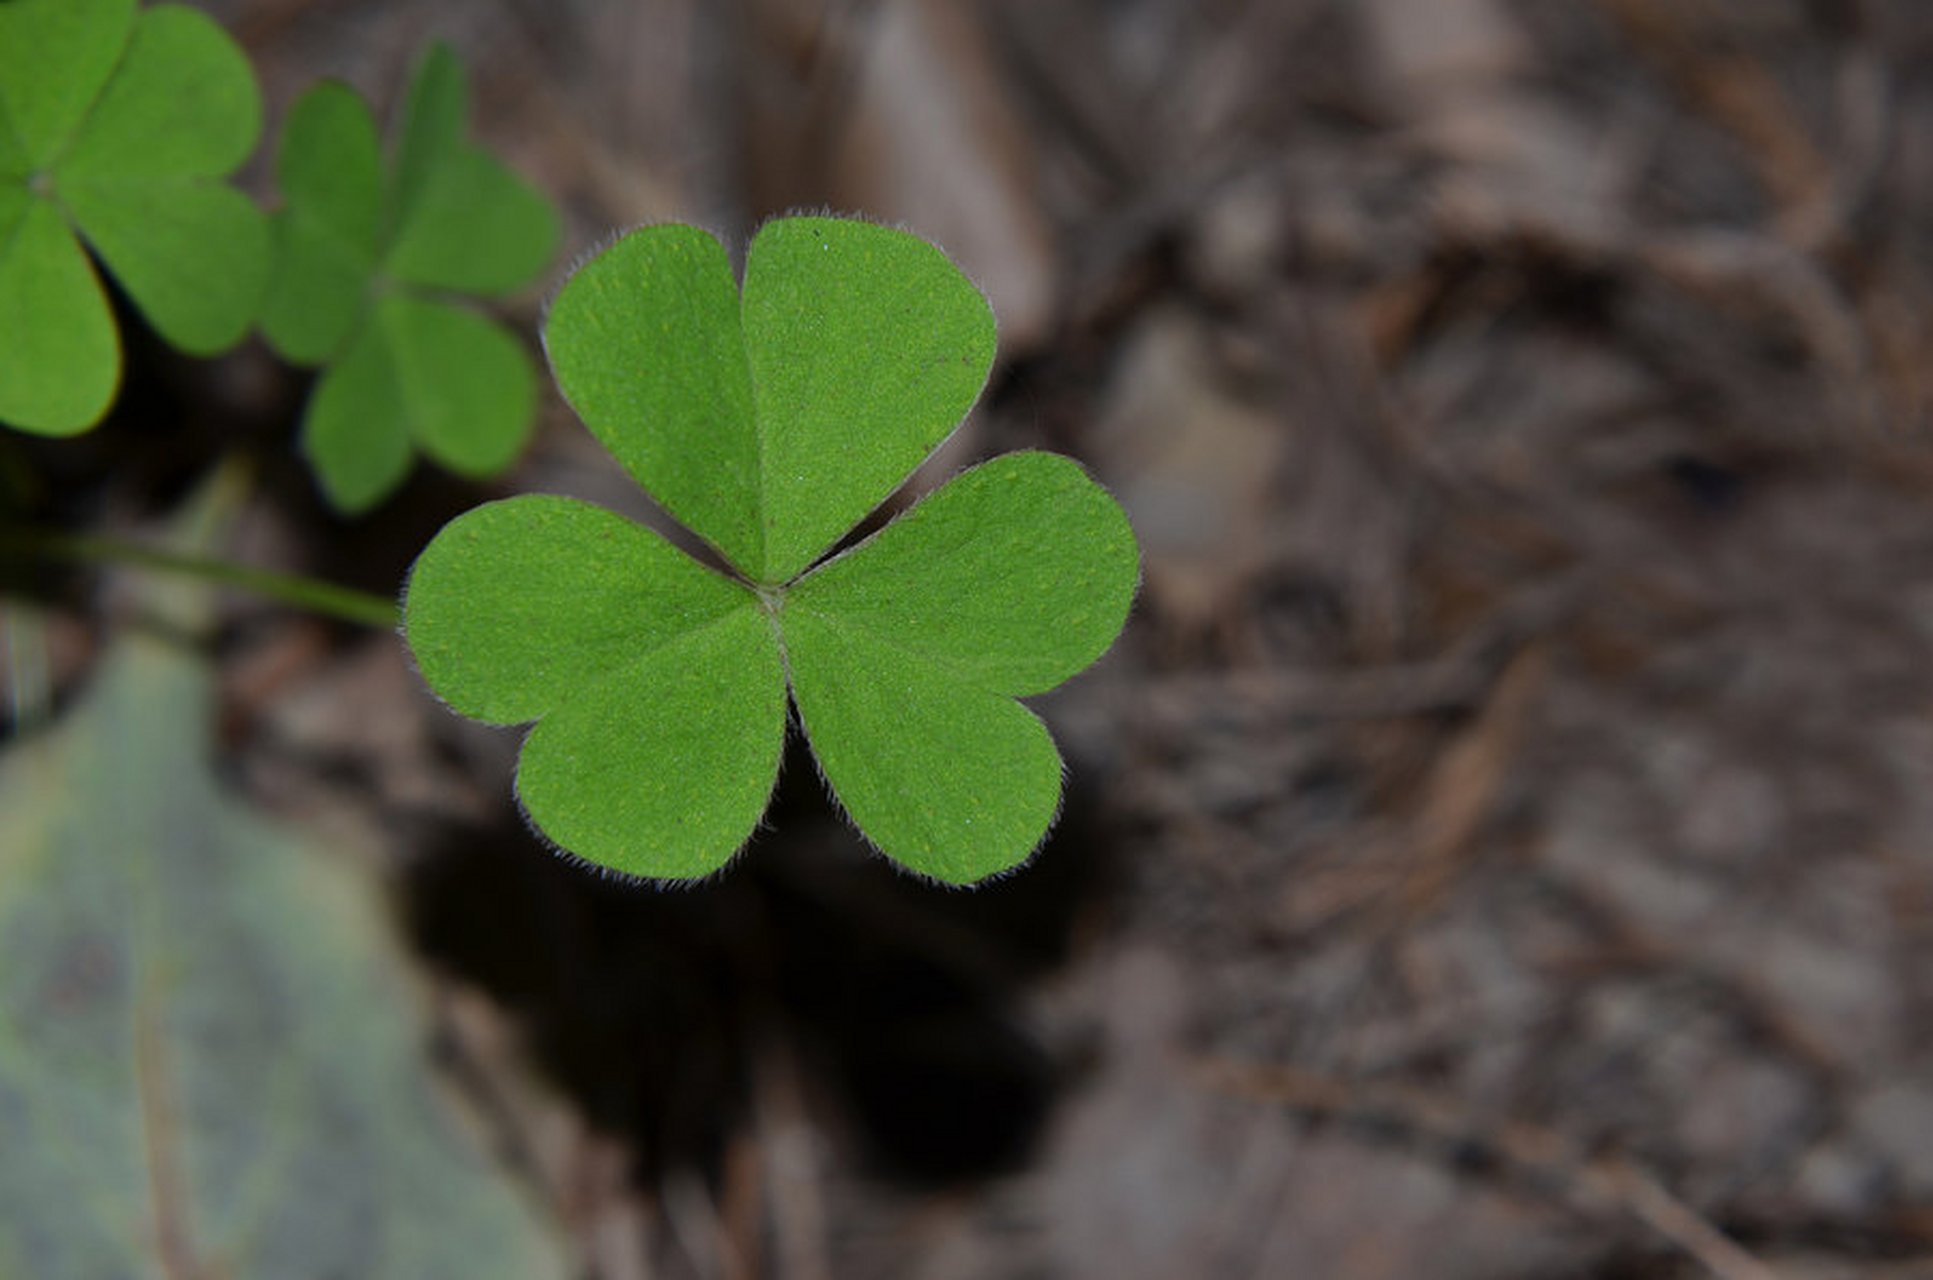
x,y
770,421
117,130
367,281
210,1064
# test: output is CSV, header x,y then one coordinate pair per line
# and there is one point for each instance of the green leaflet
x,y
171,256
1013,577
662,768
55,55
182,104
63,360
948,779
904,651
659,681
646,344
204,1065
461,220
509,620
365,273
355,433
770,422
428,373
329,168
433,122
123,126
14,164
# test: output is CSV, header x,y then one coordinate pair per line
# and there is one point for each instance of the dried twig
x,y
1539,1156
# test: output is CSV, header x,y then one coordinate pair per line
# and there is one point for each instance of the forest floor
x,y
1501,845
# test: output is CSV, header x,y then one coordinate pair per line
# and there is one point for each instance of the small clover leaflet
x,y
117,130
769,421
364,283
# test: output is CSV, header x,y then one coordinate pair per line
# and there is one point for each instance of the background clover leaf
x,y
63,355
365,270
769,423
461,220
329,167
54,57
209,1063
118,128
658,687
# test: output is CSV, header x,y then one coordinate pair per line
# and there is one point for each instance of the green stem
x,y
293,589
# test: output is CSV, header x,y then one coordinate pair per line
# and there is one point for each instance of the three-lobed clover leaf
x,y
770,420
366,279
117,130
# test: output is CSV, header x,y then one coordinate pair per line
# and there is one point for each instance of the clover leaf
x,y
117,130
769,420
367,274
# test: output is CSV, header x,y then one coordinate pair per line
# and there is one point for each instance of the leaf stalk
x,y
312,594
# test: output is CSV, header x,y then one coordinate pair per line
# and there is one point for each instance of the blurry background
x,y
1502,843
